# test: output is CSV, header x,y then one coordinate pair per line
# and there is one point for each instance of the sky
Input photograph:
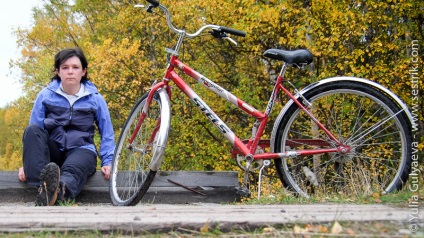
x,y
13,14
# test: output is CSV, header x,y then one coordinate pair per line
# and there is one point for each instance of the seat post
x,y
283,70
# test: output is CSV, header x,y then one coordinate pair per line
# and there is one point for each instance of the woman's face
x,y
71,72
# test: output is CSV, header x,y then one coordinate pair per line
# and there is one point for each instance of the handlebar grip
x,y
232,31
155,3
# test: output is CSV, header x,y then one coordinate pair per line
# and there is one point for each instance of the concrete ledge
x,y
217,187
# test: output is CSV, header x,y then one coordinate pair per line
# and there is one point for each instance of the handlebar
x,y
232,31
154,3
217,31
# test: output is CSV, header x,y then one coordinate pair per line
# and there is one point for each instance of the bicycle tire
x,y
379,160
131,174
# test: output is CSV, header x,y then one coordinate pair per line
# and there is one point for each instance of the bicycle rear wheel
x,y
359,116
135,165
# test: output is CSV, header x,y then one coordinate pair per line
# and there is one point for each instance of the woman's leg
x,y
78,166
36,153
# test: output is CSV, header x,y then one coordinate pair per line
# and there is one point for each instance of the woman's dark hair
x,y
64,55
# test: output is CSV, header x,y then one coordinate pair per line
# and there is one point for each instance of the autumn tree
x,y
125,47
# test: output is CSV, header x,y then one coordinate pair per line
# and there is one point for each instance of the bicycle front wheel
x,y
374,126
135,165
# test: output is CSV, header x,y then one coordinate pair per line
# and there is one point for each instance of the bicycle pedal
x,y
244,192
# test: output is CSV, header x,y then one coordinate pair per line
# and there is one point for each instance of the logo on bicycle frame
x,y
210,115
211,85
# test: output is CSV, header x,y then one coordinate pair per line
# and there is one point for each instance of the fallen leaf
x,y
376,195
322,229
310,227
317,228
299,230
350,232
204,228
337,228
268,229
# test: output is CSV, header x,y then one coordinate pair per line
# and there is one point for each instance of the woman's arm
x,y
107,143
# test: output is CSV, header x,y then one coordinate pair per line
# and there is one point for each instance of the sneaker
x,y
49,180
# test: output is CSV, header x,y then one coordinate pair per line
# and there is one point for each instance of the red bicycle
x,y
337,133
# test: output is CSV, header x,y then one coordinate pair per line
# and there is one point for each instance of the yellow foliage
x,y
125,47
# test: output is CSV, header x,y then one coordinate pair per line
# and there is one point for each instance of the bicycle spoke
x,y
374,127
375,136
358,118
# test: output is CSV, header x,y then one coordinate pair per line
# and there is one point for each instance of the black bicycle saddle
x,y
297,57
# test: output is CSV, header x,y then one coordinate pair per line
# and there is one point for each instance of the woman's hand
x,y
21,175
106,171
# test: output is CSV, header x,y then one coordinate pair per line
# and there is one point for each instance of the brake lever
x,y
230,40
148,8
222,35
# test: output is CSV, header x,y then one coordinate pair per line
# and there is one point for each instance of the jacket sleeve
x,y
38,112
104,123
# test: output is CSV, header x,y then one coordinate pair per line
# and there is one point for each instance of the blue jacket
x,y
73,126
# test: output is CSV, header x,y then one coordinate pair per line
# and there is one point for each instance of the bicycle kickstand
x,y
265,164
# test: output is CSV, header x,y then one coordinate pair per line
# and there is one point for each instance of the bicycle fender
x,y
163,132
378,86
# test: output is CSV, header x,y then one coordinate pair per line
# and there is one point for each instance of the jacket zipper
x,y
71,107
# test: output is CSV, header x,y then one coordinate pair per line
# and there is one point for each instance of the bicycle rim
x,y
359,116
131,176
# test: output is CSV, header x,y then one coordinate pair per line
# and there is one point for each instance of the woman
x,y
59,154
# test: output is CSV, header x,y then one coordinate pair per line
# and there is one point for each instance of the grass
x,y
273,193
67,203
400,199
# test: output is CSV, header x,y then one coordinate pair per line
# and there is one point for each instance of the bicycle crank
x,y
243,190
254,165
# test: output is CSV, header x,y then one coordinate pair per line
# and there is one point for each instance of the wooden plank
x,y
196,178
218,187
9,179
155,195
157,219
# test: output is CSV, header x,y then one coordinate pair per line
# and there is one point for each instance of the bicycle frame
x,y
262,118
247,149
